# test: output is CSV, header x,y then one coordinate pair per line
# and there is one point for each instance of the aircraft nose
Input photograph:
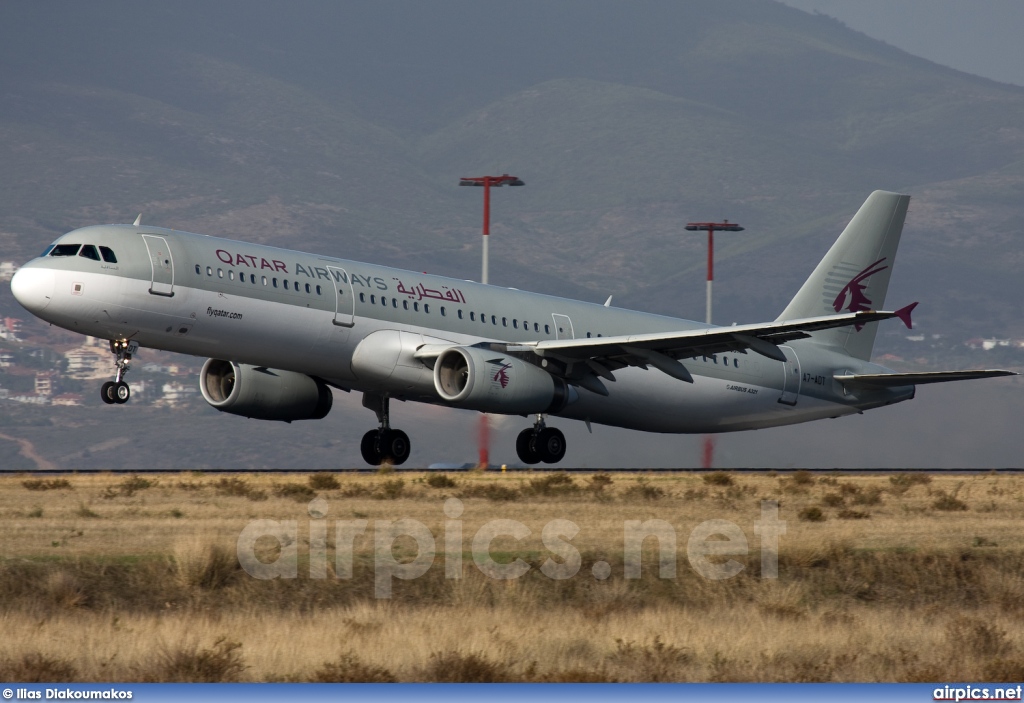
x,y
33,288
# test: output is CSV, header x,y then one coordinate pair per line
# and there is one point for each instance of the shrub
x,y
945,501
390,490
232,487
33,667
129,487
440,481
85,511
853,515
38,484
188,664
456,667
718,478
811,514
833,500
559,484
490,491
803,477
349,669
206,566
296,491
323,481
655,662
644,490
871,496
901,483
599,482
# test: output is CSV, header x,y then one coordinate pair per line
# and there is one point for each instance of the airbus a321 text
x,y
282,328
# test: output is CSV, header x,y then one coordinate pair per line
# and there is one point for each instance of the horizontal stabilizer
x,y
889,380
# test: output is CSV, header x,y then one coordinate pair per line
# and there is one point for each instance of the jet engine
x,y
262,393
478,379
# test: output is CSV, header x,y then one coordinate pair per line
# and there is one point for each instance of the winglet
x,y
904,315
138,220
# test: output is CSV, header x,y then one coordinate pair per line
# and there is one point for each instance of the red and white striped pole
x,y
708,441
484,430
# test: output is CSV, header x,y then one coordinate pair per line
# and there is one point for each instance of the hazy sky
x,y
982,37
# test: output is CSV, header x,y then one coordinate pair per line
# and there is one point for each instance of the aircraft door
x,y
563,327
790,377
344,297
162,265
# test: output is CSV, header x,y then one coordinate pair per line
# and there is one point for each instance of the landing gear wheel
x,y
107,392
550,443
121,392
370,449
394,446
526,449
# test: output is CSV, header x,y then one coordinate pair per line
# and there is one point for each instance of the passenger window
x,y
220,273
515,323
472,316
426,308
307,289
536,327
394,303
588,335
318,291
415,307
231,275
460,314
252,278
547,329
65,250
209,271
275,282
264,278
405,304
199,271
494,320
443,314
504,322
735,363
286,284
373,300
362,297
108,255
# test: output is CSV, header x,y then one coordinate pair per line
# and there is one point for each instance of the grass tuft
x,y
455,667
718,478
811,514
348,668
33,667
38,484
440,481
323,481
220,663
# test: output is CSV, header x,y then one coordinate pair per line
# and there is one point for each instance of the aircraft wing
x,y
585,358
888,380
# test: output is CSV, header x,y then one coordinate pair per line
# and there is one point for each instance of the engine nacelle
x,y
262,393
478,379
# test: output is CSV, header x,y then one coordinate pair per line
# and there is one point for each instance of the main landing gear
x,y
383,445
540,443
117,391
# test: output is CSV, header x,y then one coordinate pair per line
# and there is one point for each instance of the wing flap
x,y
889,380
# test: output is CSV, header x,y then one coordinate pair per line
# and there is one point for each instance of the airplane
x,y
280,329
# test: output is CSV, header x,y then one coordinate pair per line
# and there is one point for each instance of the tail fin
x,y
854,275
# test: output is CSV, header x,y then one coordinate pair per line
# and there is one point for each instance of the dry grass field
x,y
880,578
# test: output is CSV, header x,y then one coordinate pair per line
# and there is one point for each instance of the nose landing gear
x,y
540,443
117,391
383,445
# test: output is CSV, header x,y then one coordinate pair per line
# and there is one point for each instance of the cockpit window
x,y
89,252
47,251
108,255
65,250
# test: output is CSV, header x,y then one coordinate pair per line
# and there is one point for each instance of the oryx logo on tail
x,y
852,298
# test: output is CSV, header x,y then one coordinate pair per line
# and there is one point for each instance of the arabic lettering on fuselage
x,y
417,291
